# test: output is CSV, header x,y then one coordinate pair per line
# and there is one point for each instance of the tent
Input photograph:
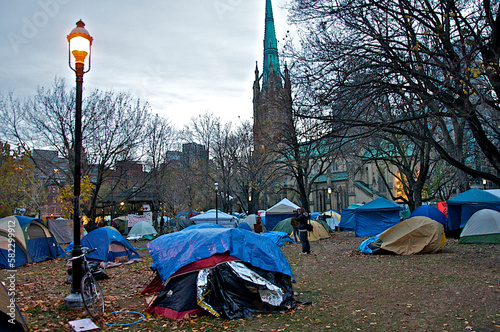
x,y
319,229
284,226
495,192
482,227
375,217
141,230
462,206
214,217
11,319
251,220
281,210
62,229
121,223
111,246
223,271
331,217
411,236
430,212
31,241
347,218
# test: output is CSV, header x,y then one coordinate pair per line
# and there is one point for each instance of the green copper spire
x,y
271,60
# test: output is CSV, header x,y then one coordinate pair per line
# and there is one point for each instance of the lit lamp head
x,y
80,43
216,184
329,190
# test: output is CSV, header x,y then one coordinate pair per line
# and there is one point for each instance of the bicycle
x,y
92,297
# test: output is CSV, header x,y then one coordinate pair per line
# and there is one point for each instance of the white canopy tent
x,y
278,212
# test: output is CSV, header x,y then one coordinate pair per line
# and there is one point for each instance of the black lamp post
x,y
216,184
80,43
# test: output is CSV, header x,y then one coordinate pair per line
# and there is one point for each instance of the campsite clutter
x,y
213,263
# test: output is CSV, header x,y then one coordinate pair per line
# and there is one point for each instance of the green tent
x,y
284,226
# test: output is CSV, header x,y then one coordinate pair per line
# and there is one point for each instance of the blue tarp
x,y
347,218
375,217
245,226
278,237
364,246
430,212
109,243
172,251
464,205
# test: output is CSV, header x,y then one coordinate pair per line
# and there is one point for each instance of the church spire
x,y
271,59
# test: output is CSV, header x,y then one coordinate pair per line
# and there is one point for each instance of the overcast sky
x,y
184,57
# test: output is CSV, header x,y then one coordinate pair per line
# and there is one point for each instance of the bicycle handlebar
x,y
82,255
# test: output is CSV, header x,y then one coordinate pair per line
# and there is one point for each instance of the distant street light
x,y
330,198
484,184
80,43
216,184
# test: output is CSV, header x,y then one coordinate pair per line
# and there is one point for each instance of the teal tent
x,y
464,205
375,217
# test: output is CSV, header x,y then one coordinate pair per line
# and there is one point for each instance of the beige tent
x,y
11,318
319,232
412,236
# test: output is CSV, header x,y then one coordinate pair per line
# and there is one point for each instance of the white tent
x,y
280,211
495,192
282,207
251,220
482,227
211,217
140,230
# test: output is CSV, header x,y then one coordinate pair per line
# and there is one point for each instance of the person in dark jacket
x,y
303,218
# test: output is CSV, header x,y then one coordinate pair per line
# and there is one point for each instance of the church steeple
x,y
271,65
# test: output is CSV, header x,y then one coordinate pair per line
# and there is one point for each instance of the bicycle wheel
x,y
92,297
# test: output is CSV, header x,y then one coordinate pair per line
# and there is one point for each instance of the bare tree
x,y
377,65
112,129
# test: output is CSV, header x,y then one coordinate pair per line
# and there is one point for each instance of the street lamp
x,y
484,184
216,184
330,198
80,43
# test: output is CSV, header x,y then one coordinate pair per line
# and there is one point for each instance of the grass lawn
x,y
457,289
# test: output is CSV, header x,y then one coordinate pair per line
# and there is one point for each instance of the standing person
x,y
162,224
302,218
295,225
257,228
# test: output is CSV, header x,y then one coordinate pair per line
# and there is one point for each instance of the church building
x,y
272,95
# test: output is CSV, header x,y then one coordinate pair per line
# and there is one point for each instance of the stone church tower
x,y
272,95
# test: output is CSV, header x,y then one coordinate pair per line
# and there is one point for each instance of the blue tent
x,y
463,206
430,212
110,244
347,218
173,251
375,217
29,239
